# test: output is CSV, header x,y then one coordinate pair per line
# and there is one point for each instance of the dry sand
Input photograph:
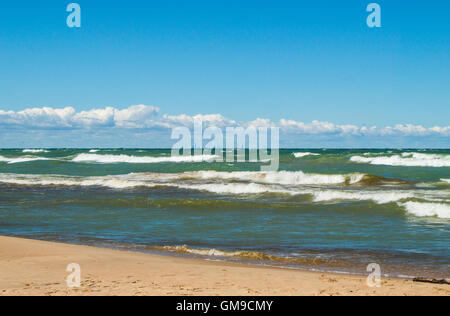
x,y
29,267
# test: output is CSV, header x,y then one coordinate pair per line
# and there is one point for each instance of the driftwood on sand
x,y
434,281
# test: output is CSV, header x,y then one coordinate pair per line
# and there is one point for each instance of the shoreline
x,y
33,267
244,260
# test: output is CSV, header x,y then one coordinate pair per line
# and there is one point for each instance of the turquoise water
x,y
334,210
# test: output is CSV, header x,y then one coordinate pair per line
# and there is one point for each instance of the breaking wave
x,y
136,160
246,179
21,159
250,255
407,160
305,154
380,197
124,182
114,182
236,188
35,151
433,202
279,177
439,210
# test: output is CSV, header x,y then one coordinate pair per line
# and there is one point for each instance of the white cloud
x,y
259,122
38,117
96,117
188,121
147,117
317,127
136,116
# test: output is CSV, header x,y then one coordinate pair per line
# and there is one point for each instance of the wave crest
x,y
304,154
21,159
382,197
439,210
138,160
278,177
114,182
407,160
251,255
257,183
35,151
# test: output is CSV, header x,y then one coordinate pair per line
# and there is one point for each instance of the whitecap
x,y
115,182
138,160
439,210
35,151
235,188
381,197
304,154
229,183
279,177
21,159
407,160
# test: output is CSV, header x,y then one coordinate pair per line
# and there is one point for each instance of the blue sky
x,y
246,59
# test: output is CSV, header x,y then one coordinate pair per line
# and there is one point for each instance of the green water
x,y
333,210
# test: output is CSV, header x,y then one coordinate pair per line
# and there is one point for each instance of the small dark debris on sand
x,y
434,281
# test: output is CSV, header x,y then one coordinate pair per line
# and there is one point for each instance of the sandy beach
x,y
29,267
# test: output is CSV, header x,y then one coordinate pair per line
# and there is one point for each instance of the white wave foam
x,y
137,160
123,182
115,182
427,209
235,188
94,151
382,197
319,195
187,182
407,160
376,154
445,180
34,151
21,159
279,177
260,182
204,252
305,154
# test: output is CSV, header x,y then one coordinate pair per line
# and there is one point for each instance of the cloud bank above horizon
x,y
104,125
